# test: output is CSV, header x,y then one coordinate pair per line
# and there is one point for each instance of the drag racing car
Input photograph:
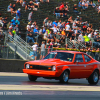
x,y
64,65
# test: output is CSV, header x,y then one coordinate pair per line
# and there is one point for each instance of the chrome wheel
x,y
65,76
95,77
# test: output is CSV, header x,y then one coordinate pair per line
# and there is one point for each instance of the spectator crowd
x,y
54,32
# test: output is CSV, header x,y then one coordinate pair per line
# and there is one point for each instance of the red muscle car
x,y
64,65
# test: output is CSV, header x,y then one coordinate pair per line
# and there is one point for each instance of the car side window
x,y
87,59
78,58
65,56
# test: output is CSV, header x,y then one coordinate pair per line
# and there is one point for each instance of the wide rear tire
x,y
94,78
64,77
32,78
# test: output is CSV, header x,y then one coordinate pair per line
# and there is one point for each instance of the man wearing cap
x,y
28,26
13,21
18,13
32,26
77,19
95,32
67,27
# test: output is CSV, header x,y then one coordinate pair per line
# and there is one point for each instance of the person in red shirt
x,y
61,8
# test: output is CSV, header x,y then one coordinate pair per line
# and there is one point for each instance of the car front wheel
x,y
64,77
32,78
94,78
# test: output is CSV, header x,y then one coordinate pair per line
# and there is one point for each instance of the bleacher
x,y
46,9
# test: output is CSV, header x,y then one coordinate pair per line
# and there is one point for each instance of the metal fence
x,y
7,53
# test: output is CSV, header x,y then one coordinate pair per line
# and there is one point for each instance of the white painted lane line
x,y
50,87
12,74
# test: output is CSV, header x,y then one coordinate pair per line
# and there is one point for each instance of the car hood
x,y
49,62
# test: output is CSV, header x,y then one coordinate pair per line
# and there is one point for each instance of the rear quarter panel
x,y
97,66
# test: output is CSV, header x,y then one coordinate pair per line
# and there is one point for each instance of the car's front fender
x,y
61,69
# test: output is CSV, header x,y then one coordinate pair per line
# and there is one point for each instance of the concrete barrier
x,y
11,65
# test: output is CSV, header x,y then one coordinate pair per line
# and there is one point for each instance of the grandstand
x,y
47,9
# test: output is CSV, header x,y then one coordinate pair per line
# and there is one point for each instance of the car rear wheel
x,y
64,77
32,78
94,78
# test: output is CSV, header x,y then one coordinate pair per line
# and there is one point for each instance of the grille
x,y
39,67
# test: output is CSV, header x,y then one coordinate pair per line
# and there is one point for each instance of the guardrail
x,y
18,43
21,43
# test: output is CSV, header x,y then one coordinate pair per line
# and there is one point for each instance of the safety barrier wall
x,y
11,65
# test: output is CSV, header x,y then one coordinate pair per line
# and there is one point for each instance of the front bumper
x,y
41,73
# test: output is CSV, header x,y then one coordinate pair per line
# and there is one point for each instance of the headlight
x,y
27,66
53,68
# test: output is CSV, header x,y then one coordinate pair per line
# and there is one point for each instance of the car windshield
x,y
60,55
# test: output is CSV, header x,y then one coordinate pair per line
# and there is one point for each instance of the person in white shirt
x,y
28,26
54,29
45,35
32,26
81,38
95,33
34,47
67,27
90,34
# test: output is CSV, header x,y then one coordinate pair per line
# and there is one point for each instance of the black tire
x,y
32,78
64,77
94,78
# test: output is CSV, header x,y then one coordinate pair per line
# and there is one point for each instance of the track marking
x,y
44,87
12,74
50,87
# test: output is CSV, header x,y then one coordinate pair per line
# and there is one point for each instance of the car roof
x,y
69,51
